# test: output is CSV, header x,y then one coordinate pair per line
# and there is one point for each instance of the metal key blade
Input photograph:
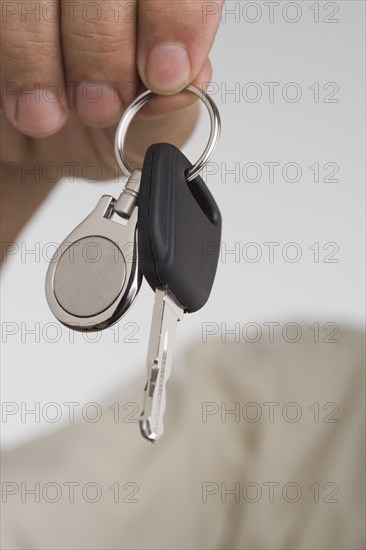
x,y
167,312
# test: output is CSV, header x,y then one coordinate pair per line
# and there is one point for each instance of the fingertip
x,y
203,79
163,104
167,68
36,114
97,105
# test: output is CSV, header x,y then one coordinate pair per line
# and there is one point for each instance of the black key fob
x,y
179,227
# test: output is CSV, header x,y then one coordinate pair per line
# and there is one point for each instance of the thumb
x,y
174,40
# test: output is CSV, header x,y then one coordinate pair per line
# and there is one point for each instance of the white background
x,y
304,212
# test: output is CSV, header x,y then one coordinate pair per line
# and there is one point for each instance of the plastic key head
x,y
178,223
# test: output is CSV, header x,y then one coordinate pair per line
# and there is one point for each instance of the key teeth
x,y
167,312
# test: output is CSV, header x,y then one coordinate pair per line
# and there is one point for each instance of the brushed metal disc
x,y
89,276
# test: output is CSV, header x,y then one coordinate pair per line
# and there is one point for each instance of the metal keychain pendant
x,y
94,276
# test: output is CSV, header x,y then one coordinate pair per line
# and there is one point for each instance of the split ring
x,y
140,102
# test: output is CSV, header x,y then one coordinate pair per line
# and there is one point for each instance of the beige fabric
x,y
171,512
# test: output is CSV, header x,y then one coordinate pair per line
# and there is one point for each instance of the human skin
x,y
66,81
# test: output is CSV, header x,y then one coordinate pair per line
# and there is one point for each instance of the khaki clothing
x,y
283,469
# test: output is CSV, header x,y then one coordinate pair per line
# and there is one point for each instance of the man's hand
x,y
69,68
90,58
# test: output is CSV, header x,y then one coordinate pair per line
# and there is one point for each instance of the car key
x,y
93,278
177,220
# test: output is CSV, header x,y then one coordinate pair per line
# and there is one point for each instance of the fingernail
x,y
97,104
37,112
168,68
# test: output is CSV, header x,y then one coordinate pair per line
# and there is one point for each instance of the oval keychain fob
x,y
94,277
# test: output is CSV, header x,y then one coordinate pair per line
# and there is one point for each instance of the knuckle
x,y
97,42
99,56
29,61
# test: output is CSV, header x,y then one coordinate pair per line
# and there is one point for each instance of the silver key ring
x,y
140,102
